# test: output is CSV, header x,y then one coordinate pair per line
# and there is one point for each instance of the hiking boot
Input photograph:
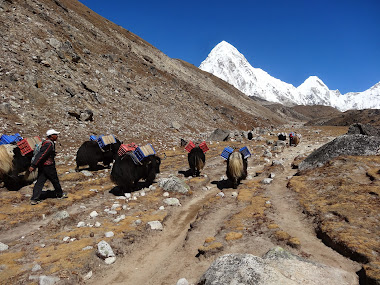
x,y
34,202
63,196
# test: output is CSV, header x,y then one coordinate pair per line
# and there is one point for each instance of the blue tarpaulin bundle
x,y
5,139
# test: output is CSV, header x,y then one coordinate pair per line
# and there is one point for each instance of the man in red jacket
x,y
44,160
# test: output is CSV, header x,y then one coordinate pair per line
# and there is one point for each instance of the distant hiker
x,y
291,136
44,160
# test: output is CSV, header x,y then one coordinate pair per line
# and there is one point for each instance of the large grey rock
x,y
343,145
362,129
174,184
276,267
219,135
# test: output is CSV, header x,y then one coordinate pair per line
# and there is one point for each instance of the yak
x,y
90,153
12,165
126,173
281,137
197,159
236,168
296,140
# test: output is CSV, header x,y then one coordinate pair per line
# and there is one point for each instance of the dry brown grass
x,y
343,196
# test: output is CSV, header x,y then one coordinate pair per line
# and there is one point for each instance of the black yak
x,y
12,165
197,159
126,173
90,153
236,168
281,137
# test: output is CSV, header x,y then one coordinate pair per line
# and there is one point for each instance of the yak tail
x,y
6,158
199,164
235,166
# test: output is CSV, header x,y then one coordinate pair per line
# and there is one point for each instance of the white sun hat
x,y
51,132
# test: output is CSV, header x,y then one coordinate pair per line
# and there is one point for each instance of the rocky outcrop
x,y
363,129
276,267
343,145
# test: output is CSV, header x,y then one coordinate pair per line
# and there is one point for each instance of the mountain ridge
x,y
226,62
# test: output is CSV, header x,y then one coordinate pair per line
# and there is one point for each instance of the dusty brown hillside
x,y
64,66
369,116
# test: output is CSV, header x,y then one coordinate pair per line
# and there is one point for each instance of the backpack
x,y
36,150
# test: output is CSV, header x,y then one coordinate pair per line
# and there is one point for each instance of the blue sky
x,y
336,40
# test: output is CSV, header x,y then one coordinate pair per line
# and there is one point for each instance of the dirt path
x,y
167,256
289,216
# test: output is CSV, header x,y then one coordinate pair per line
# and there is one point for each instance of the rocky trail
x,y
212,220
167,256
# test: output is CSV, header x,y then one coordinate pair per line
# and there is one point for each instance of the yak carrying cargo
x,y
134,165
15,160
98,149
196,157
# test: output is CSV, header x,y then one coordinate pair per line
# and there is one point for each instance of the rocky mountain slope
x,y
64,66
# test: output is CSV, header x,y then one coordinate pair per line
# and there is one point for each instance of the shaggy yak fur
x,y
295,141
89,153
197,159
236,168
12,165
126,174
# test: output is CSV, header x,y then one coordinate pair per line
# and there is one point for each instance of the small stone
x,y
3,246
36,267
88,247
105,250
155,225
172,202
182,281
109,234
87,276
110,260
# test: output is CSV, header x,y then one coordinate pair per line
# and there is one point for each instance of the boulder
x,y
276,267
343,145
362,129
219,135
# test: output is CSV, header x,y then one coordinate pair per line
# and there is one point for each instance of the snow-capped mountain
x,y
226,62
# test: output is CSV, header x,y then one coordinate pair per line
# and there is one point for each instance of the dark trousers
x,y
46,172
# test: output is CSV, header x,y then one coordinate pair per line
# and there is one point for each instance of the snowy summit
x,y
227,63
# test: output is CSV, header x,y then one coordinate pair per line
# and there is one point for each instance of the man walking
x,y
45,162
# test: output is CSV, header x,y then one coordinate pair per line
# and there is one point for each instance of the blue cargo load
x,y
226,152
245,152
5,139
143,151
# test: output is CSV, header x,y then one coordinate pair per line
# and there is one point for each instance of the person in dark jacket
x,y
45,162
